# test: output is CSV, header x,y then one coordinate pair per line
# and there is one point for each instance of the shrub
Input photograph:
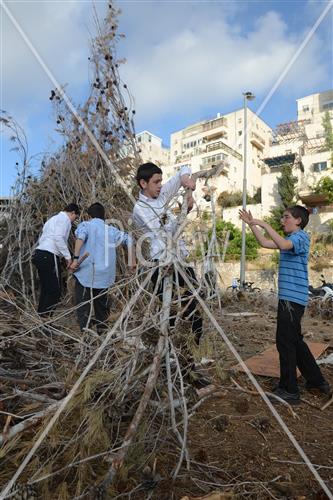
x,y
325,186
235,241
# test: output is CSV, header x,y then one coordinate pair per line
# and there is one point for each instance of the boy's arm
x,y
77,248
248,219
279,241
181,179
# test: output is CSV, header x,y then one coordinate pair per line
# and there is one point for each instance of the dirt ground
x,y
236,445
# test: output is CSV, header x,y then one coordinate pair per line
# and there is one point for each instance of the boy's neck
x,y
147,195
294,230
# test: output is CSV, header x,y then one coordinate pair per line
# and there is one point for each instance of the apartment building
x,y
221,139
152,149
5,202
300,143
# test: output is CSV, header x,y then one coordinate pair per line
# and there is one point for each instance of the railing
x,y
258,138
203,127
221,145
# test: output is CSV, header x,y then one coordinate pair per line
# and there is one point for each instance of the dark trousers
x,y
48,267
187,300
293,351
100,304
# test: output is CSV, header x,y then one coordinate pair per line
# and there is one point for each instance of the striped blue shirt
x,y
293,269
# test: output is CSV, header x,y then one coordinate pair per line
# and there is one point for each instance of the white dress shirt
x,y
55,234
154,217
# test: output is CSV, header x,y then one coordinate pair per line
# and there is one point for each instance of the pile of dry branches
x,y
77,412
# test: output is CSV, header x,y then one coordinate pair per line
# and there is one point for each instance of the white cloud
x,y
209,60
181,56
59,33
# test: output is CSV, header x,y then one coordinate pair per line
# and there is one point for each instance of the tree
x,y
286,186
328,131
327,124
325,186
287,192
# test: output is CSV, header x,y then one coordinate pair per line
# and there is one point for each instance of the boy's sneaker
x,y
325,388
291,398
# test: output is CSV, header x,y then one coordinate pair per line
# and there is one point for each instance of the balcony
x,y
257,141
311,199
221,145
204,127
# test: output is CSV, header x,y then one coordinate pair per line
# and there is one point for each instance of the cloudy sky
x,y
186,61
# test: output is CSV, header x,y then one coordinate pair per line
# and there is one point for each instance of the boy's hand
x,y
74,265
188,182
246,216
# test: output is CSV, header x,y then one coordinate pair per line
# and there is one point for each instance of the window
x,y
240,132
328,105
139,138
239,120
318,167
288,151
306,108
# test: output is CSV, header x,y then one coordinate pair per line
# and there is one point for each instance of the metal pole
x,y
242,263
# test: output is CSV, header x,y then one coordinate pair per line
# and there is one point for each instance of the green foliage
x,y
235,199
325,186
257,196
328,131
287,192
206,216
274,219
286,186
235,241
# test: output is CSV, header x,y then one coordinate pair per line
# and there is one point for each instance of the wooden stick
x,y
326,405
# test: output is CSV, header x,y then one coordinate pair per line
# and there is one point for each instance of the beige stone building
x,y
220,139
301,143
152,149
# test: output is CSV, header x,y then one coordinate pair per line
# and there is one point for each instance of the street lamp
x,y
248,96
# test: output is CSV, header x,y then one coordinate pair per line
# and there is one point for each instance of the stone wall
x,y
265,279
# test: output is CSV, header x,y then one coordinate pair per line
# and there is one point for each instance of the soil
x,y
235,443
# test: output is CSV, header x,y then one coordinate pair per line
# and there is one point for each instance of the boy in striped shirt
x,y
293,297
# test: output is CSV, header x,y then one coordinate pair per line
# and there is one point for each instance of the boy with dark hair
x,y
51,246
97,272
146,171
153,216
293,297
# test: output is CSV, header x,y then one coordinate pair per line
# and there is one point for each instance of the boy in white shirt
x,y
52,245
153,216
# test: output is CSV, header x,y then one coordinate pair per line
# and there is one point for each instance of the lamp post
x,y
248,96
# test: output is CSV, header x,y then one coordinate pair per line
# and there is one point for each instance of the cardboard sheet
x,y
266,363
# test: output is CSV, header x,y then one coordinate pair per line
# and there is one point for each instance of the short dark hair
x,y
146,172
301,212
96,211
72,207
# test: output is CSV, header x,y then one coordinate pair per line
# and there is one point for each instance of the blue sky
x,y
186,61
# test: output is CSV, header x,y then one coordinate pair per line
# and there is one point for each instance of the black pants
x,y
100,304
293,351
187,300
48,267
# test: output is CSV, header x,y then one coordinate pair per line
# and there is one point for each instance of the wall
x,y
231,214
265,279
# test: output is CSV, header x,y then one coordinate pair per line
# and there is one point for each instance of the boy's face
x,y
152,188
73,216
289,223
